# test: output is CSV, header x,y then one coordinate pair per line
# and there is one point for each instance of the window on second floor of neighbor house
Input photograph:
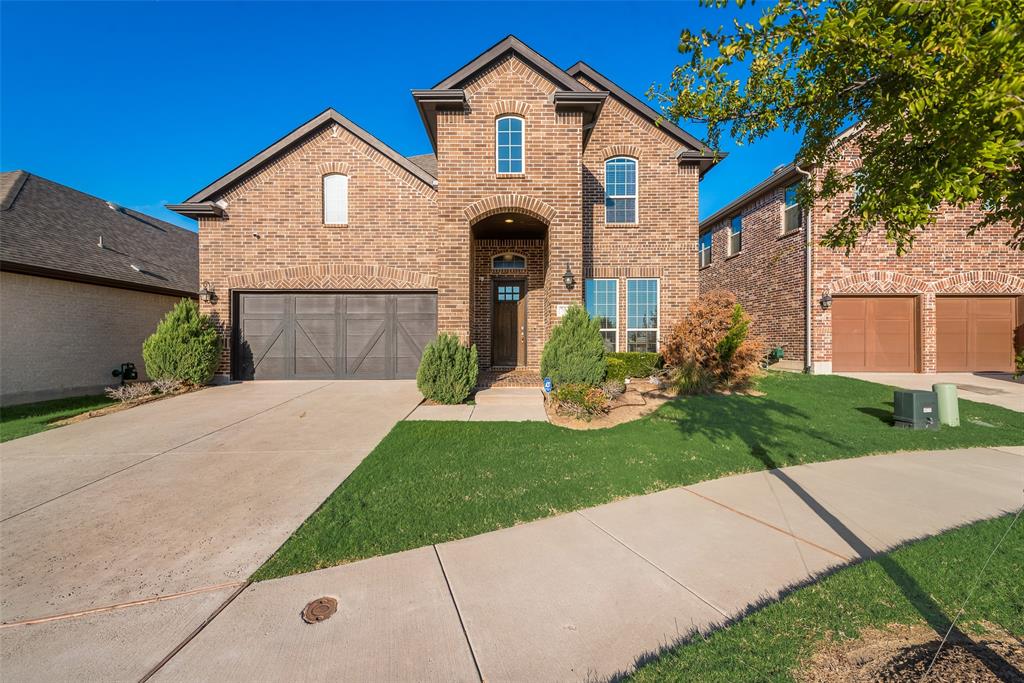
x,y
620,190
509,144
602,298
735,235
704,249
642,315
792,213
336,199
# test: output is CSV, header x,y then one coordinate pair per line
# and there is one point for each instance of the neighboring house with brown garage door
x,y
82,283
330,255
952,304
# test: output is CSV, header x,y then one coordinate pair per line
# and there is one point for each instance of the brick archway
x,y
510,203
979,282
878,282
334,276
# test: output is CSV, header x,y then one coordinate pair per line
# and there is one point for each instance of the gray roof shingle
x,y
51,229
428,162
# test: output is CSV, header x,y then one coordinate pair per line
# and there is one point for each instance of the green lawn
x,y
429,482
30,418
922,583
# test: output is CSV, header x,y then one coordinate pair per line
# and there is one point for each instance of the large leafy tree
x,y
935,86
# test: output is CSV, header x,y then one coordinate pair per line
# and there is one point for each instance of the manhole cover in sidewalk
x,y
319,610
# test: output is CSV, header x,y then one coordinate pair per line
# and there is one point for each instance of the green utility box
x,y
915,409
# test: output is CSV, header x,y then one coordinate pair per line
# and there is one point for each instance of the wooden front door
x,y
508,336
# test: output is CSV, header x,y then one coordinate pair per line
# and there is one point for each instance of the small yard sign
x,y
547,385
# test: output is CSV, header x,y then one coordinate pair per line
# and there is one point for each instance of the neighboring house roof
x,y
707,156
428,162
783,175
200,204
53,230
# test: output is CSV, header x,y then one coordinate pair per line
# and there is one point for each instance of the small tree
x,y
575,352
448,370
185,346
711,346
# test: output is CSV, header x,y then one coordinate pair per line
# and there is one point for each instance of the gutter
x,y
808,289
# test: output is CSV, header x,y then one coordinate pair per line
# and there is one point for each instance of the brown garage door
x,y
974,333
874,334
370,335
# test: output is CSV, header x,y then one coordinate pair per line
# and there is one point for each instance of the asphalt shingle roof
x,y
428,162
55,229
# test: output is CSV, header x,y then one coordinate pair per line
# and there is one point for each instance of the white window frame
x,y
735,233
609,329
522,161
341,211
785,211
656,330
635,196
701,249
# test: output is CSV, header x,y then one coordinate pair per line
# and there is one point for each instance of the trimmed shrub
x,y
185,346
711,347
580,401
632,364
448,370
574,354
613,388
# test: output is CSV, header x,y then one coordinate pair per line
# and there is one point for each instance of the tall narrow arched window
x,y
336,199
620,190
509,144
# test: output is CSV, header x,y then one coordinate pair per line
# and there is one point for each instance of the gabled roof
x,y
428,162
52,230
707,157
200,204
783,175
511,44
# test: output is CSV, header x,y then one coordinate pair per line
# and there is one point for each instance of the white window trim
x,y
343,209
636,196
728,246
656,330
616,328
496,122
701,250
785,210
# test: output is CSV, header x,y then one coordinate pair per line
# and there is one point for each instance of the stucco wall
x,y
60,338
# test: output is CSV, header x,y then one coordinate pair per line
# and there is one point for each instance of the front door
x,y
508,338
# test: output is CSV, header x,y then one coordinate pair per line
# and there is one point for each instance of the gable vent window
x,y
792,217
620,190
509,262
509,147
735,235
335,199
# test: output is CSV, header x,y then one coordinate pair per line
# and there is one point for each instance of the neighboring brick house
x,y
952,304
331,255
83,283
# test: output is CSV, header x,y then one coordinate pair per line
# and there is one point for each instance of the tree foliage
x,y
185,346
936,88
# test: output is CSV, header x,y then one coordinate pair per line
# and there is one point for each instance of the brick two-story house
x,y
331,255
952,304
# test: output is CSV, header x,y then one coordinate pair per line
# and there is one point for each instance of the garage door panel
x,y
974,333
316,347
316,305
874,334
263,305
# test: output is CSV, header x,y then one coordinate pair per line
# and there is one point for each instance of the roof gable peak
x,y
510,43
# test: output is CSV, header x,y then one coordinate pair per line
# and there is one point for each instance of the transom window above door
x,y
508,292
508,262
620,190
509,144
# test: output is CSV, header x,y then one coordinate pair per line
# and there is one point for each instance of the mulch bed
x,y
640,398
118,407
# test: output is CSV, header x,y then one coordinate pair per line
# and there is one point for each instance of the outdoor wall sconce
x,y
826,301
568,278
206,294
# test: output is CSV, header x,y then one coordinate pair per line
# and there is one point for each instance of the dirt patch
x,y
902,654
640,398
118,407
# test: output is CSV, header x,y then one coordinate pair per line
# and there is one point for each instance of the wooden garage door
x,y
874,334
315,335
974,333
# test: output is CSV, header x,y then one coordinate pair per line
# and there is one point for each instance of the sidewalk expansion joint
x,y
458,612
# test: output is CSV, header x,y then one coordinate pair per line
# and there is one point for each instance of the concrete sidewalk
x,y
586,595
502,404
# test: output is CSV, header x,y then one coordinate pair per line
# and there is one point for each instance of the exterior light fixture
x,y
826,301
510,220
206,294
568,278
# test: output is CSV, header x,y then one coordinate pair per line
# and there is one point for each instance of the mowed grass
x,y
31,418
922,583
429,482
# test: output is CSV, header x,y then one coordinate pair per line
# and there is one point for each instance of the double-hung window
x,y
704,248
509,144
335,199
642,315
620,190
735,235
792,216
603,303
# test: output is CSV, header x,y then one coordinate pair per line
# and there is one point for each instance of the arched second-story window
x,y
620,190
335,199
509,144
508,262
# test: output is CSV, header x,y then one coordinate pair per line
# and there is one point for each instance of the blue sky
x,y
145,103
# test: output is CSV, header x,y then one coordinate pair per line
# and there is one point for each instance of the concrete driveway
x,y
173,505
983,388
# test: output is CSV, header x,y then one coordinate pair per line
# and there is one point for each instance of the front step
x,y
507,395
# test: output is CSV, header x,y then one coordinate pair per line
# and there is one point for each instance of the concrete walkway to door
x,y
983,388
585,595
171,506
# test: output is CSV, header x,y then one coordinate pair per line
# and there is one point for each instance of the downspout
x,y
808,236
